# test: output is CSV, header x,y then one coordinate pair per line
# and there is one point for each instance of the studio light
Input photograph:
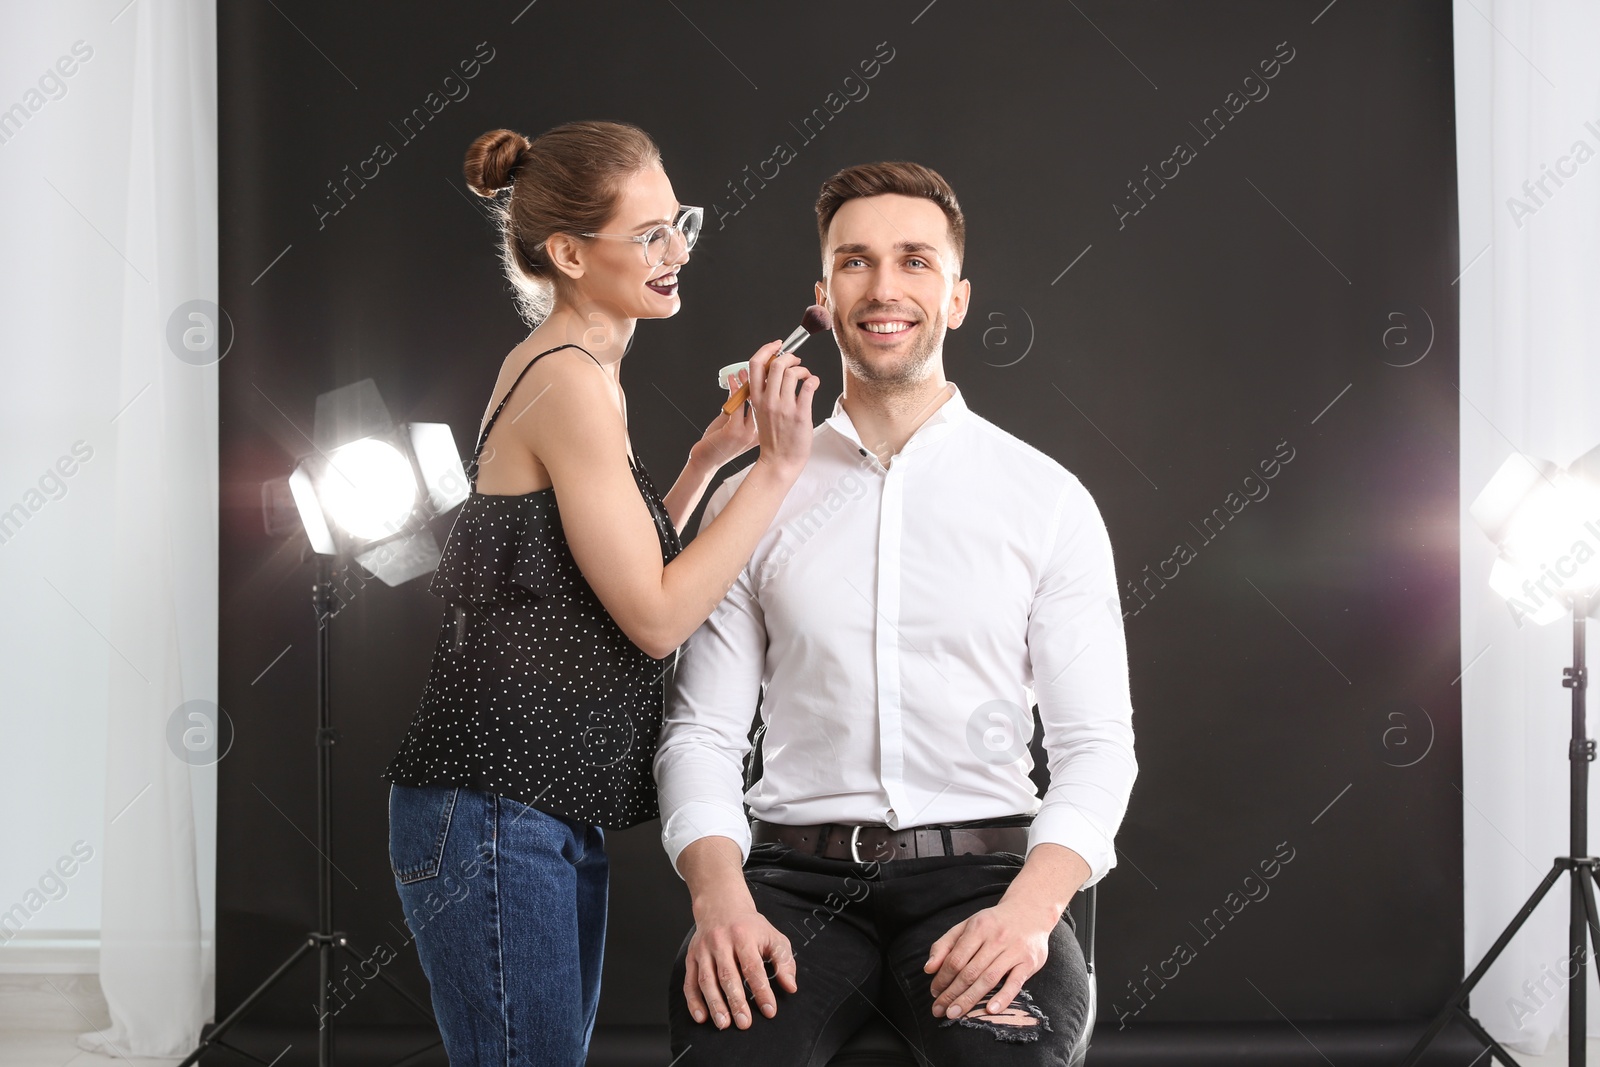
x,y
366,493
1546,524
369,488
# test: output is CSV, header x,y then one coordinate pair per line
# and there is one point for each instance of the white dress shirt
x,y
898,623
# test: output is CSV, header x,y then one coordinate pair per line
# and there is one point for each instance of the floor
x,y
58,1048
1557,1056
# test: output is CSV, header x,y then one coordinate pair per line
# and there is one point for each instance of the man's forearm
x,y
1049,877
713,869
1009,942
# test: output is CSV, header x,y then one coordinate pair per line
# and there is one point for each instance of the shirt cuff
x,y
1070,828
696,819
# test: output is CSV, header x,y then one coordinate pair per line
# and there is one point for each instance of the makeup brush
x,y
815,320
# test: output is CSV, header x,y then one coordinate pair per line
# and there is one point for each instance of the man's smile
x,y
890,327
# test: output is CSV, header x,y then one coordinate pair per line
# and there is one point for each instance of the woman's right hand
x,y
781,389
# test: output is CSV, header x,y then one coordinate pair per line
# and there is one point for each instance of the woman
x,y
538,724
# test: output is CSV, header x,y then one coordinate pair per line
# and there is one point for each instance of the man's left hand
x,y
1008,942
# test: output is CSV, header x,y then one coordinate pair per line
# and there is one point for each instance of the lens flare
x,y
368,488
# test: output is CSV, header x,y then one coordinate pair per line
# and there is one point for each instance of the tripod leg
x,y
325,983
1498,947
1490,1044
1594,915
1592,912
390,982
234,1016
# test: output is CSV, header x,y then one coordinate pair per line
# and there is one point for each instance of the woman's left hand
x,y
729,436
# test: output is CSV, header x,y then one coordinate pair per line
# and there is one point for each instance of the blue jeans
x,y
507,905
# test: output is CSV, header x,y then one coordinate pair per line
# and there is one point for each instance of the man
x,y
924,575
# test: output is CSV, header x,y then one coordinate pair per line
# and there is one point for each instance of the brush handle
x,y
792,342
736,399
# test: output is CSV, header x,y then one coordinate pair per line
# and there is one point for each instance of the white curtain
x,y
1528,140
154,965
108,217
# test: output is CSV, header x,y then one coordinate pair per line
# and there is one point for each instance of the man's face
x,y
890,282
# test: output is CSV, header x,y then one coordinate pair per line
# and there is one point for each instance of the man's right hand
x,y
732,941
729,949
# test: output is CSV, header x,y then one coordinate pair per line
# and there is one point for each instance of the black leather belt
x,y
880,844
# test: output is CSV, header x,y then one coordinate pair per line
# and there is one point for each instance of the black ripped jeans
x,y
861,934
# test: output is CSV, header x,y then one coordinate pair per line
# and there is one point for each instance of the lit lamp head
x,y
1546,522
371,486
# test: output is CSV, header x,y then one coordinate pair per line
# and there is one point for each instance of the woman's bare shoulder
x,y
565,388
546,359
538,369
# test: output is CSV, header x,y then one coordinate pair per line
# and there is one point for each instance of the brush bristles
x,y
817,319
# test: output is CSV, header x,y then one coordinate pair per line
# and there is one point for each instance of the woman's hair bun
x,y
492,161
574,176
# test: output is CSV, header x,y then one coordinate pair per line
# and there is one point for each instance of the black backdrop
x,y
1285,291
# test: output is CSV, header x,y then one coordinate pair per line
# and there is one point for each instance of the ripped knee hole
x,y
1020,1021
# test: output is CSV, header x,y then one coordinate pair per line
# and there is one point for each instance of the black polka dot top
x,y
535,693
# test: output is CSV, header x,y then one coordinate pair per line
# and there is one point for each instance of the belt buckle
x,y
855,843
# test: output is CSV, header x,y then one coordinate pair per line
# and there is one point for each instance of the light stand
x,y
324,940
366,493
1546,523
1580,866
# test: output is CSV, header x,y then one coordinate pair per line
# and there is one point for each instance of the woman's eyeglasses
x,y
657,240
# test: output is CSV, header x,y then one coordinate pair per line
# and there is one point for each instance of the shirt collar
x,y
946,417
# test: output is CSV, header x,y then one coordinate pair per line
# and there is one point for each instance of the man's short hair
x,y
876,179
